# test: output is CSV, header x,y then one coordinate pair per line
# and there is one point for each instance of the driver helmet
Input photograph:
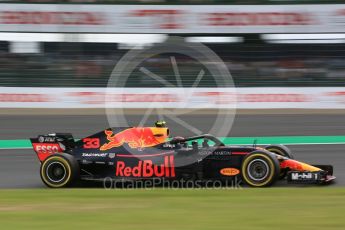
x,y
160,124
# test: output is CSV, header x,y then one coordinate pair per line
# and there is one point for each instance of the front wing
x,y
311,174
306,177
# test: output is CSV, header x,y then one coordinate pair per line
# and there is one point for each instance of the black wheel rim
x,y
56,172
258,170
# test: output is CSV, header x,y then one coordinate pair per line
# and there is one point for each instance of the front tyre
x,y
260,169
59,170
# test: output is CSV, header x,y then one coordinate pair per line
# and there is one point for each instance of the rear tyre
x,y
260,169
282,151
59,170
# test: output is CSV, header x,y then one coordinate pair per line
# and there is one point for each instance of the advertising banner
x,y
183,98
172,18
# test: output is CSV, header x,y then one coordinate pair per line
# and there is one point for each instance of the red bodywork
x,y
44,150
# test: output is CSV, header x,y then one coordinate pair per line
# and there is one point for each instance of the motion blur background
x,y
263,42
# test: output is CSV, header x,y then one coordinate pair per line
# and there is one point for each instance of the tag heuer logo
x,y
111,155
41,139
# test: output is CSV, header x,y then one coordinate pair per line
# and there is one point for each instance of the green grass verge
x,y
271,208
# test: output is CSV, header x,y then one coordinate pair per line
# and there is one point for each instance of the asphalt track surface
x,y
19,168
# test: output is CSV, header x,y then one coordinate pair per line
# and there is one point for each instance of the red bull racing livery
x,y
147,153
146,169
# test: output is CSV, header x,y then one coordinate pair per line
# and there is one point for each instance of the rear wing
x,y
46,145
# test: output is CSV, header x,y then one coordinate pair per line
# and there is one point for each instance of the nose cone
x,y
298,166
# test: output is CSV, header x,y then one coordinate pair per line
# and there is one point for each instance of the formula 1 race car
x,y
146,153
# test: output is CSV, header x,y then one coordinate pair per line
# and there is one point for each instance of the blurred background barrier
x,y
197,19
299,47
177,98
191,2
